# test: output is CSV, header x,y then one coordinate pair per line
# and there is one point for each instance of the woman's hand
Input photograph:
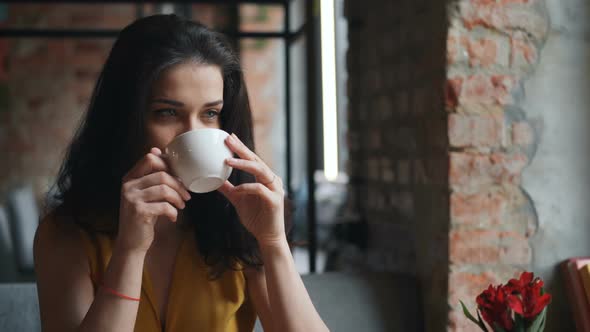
x,y
259,205
148,192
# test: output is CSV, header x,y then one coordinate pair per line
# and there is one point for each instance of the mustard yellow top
x,y
195,303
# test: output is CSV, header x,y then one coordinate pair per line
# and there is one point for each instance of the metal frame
x,y
308,29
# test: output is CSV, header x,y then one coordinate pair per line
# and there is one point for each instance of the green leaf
x,y
519,323
498,328
518,320
471,318
481,323
468,314
542,327
539,323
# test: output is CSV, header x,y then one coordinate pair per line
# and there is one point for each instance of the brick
x,y
524,52
353,140
373,169
469,247
478,51
404,71
101,17
402,102
470,172
88,60
385,108
387,171
488,51
374,140
403,202
466,286
522,134
503,85
455,51
484,209
59,51
403,172
453,89
403,139
421,177
488,90
476,130
508,17
488,247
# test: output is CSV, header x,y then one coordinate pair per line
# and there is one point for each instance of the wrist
x,y
278,242
125,251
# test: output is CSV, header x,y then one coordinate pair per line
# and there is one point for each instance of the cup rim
x,y
198,130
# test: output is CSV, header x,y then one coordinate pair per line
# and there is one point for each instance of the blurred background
x,y
53,54
441,142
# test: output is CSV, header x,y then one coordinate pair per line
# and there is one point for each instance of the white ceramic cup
x,y
198,157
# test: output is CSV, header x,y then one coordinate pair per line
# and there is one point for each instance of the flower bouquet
x,y
518,306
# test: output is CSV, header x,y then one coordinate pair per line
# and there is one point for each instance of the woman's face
x,y
185,97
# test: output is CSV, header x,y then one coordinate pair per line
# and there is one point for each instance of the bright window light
x,y
328,42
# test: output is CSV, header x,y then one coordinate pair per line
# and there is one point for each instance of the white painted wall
x,y
557,97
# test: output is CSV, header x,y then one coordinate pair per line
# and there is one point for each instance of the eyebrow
x,y
179,104
213,103
168,101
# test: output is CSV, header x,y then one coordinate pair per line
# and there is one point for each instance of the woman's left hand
x,y
259,205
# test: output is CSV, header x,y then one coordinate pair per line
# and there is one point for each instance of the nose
x,y
193,122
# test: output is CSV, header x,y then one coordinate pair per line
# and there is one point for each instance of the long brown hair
x,y
111,137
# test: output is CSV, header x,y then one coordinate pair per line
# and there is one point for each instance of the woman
x,y
124,246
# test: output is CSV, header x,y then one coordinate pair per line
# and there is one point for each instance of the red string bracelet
x,y
114,292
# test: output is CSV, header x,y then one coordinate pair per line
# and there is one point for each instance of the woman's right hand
x,y
148,192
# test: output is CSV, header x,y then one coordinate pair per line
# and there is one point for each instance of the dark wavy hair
x,y
111,136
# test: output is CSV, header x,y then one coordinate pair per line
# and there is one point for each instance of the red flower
x,y
517,286
521,299
525,296
493,305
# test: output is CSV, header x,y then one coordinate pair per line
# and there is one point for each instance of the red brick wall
x,y
492,47
437,174
49,82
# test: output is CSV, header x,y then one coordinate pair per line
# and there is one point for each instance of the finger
x,y
163,178
260,171
162,193
150,163
163,209
240,148
253,189
227,190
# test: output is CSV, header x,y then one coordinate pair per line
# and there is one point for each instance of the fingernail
x,y
187,196
234,136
